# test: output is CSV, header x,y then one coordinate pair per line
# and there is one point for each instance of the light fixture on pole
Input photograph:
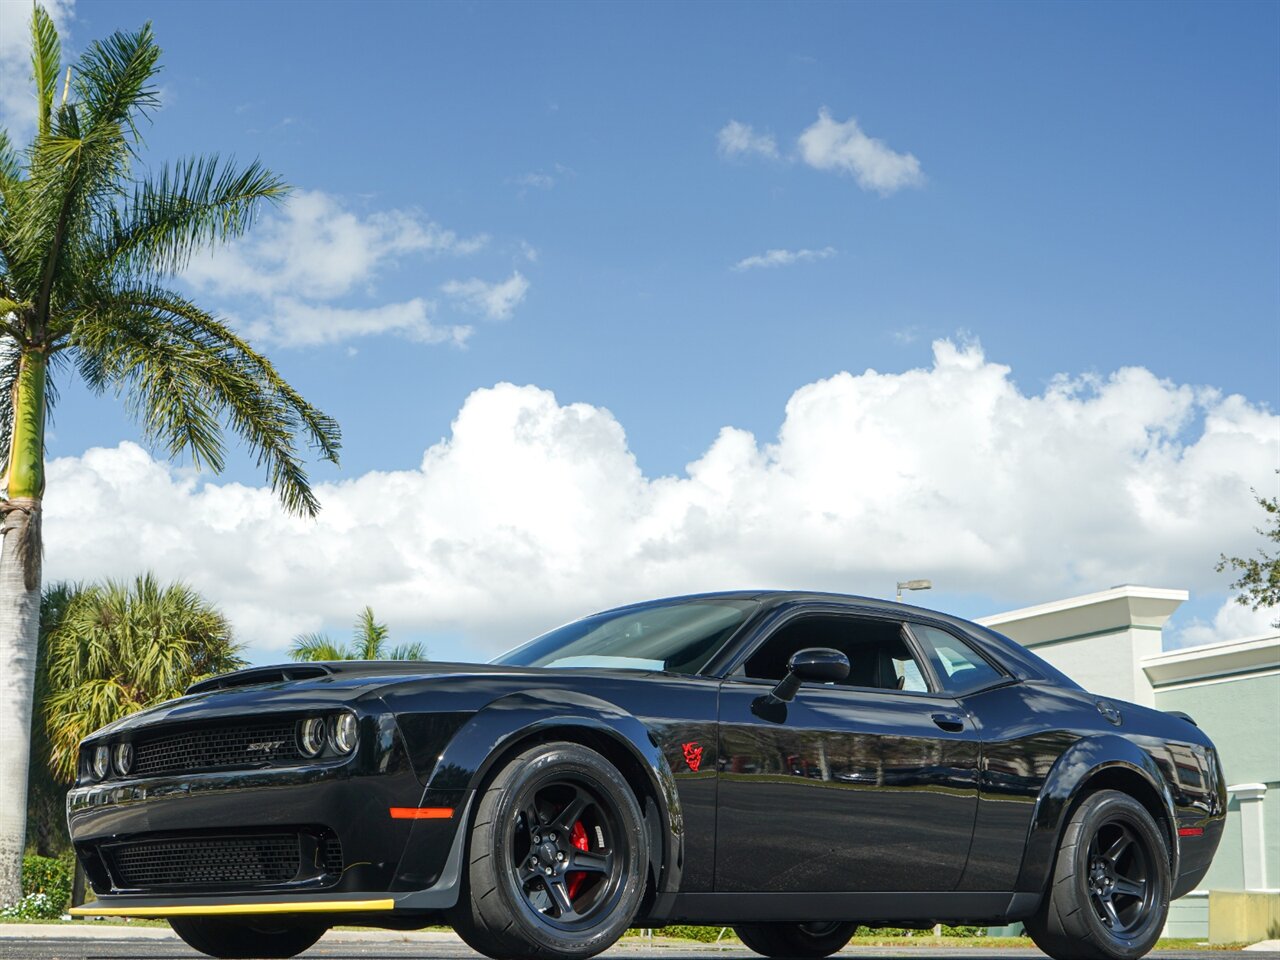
x,y
913,585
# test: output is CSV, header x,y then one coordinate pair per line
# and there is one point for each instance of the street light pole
x,y
913,585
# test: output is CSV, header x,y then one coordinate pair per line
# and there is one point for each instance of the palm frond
x,y
187,206
408,651
370,635
46,64
114,81
184,370
316,646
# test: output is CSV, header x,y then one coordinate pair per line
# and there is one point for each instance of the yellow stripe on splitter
x,y
301,906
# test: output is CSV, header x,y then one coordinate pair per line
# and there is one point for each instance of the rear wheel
x,y
1110,891
795,941
557,858
236,938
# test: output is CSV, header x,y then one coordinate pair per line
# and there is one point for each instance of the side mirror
x,y
814,665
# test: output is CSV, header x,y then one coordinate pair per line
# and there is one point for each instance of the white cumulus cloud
x,y
828,144
782,258
533,511
284,277
495,300
737,139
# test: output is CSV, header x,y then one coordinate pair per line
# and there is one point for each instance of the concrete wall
x,y
1242,715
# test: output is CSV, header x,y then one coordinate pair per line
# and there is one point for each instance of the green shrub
x,y
685,932
46,890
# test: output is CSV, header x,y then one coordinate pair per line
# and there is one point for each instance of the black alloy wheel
x,y
796,941
557,858
1120,877
1109,894
563,850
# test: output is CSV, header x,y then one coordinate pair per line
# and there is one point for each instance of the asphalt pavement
x,y
157,944
104,942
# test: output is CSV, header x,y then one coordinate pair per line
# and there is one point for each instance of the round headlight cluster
x,y
311,736
340,732
123,757
107,759
101,761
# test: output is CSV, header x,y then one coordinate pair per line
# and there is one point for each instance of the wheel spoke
x,y
530,813
1109,915
573,810
560,897
1117,849
589,862
1129,888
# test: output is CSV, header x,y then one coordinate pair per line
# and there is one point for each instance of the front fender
x,y
1084,760
492,732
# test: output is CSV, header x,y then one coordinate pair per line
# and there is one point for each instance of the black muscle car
x,y
787,764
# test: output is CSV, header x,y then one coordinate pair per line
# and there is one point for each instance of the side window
x,y
879,656
959,667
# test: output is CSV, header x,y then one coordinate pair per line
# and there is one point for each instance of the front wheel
x,y
1110,890
557,858
235,938
795,941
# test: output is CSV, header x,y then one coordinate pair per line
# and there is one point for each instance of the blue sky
x,y
1097,188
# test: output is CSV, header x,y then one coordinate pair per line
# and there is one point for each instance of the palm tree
x,y
367,643
87,245
120,647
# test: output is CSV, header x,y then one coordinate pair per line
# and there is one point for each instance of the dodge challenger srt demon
x,y
787,764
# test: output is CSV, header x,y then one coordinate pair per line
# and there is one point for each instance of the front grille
x,y
273,858
217,748
331,855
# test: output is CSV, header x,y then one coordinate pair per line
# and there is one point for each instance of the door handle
x,y
951,722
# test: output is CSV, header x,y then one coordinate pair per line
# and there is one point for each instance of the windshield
x,y
679,637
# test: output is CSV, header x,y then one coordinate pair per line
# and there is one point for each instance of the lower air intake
x,y
204,862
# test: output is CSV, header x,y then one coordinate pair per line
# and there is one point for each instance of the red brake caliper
x,y
579,839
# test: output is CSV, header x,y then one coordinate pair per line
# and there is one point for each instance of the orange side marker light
x,y
422,813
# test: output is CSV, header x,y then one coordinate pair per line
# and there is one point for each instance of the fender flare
x,y
1070,775
470,756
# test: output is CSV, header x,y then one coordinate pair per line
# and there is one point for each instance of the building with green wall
x,y
1111,643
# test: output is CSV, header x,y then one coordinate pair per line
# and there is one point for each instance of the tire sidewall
x,y
1116,806
583,764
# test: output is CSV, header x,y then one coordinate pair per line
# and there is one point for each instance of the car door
x,y
868,785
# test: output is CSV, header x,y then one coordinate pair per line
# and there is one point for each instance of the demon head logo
x,y
692,755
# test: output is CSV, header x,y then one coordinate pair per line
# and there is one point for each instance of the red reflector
x,y
421,813
1191,831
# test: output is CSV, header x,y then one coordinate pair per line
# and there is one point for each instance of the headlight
x,y
124,758
311,736
343,733
101,761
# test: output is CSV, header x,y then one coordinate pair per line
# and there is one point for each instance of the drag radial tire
x,y
1109,894
556,858
236,938
795,941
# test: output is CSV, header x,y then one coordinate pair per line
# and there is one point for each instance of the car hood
x,y
302,687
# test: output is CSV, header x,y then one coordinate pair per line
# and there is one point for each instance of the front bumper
x,y
350,905
351,801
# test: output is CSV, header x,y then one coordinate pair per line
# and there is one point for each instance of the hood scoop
x,y
260,675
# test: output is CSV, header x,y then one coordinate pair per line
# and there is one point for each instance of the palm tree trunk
x,y
20,558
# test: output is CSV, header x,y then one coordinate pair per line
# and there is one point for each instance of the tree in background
x,y
87,246
120,647
368,643
46,793
1259,577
